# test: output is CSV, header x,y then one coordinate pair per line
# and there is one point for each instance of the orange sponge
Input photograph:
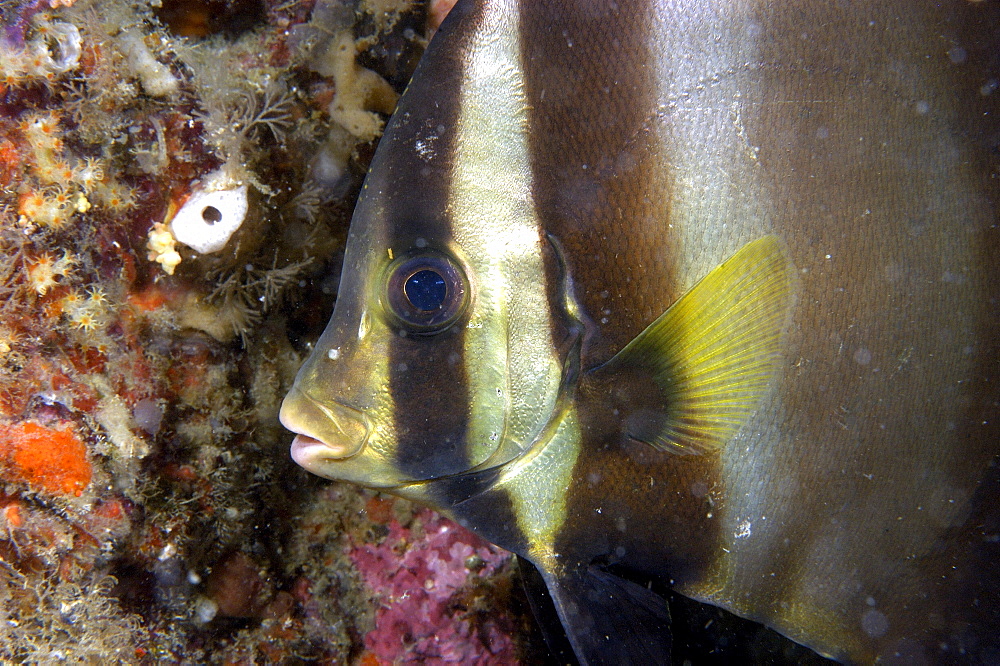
x,y
49,459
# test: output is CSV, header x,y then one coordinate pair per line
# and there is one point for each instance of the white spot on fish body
x,y
862,356
874,623
333,354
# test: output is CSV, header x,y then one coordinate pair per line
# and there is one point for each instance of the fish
x,y
700,292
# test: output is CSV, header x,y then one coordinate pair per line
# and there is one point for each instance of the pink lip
x,y
307,450
325,431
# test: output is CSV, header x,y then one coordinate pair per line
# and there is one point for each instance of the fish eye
x,y
426,293
425,290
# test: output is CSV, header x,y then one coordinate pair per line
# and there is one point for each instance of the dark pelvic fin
x,y
560,650
714,352
607,619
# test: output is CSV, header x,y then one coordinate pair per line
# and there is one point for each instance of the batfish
x,y
700,291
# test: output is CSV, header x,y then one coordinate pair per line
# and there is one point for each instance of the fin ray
x,y
714,352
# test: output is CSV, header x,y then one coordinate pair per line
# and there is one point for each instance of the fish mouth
x,y
324,431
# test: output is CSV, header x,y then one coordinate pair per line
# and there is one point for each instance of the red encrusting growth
x,y
9,162
49,459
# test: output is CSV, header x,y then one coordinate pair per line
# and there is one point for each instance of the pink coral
x,y
422,582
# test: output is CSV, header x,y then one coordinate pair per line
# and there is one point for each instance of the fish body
x,y
702,291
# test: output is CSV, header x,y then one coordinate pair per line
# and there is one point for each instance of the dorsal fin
x,y
714,351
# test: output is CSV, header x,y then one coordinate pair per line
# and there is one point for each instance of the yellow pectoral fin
x,y
714,352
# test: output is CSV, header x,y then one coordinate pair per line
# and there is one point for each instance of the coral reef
x,y
169,245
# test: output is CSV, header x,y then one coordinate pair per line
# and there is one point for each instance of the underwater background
x,y
149,511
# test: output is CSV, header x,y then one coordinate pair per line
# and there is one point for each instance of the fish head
x,y
442,355
426,369
391,342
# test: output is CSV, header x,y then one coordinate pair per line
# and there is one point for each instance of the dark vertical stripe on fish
x,y
422,154
595,156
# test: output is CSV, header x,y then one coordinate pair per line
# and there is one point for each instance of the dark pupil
x,y
425,290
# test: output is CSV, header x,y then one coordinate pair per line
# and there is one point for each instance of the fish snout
x,y
324,431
